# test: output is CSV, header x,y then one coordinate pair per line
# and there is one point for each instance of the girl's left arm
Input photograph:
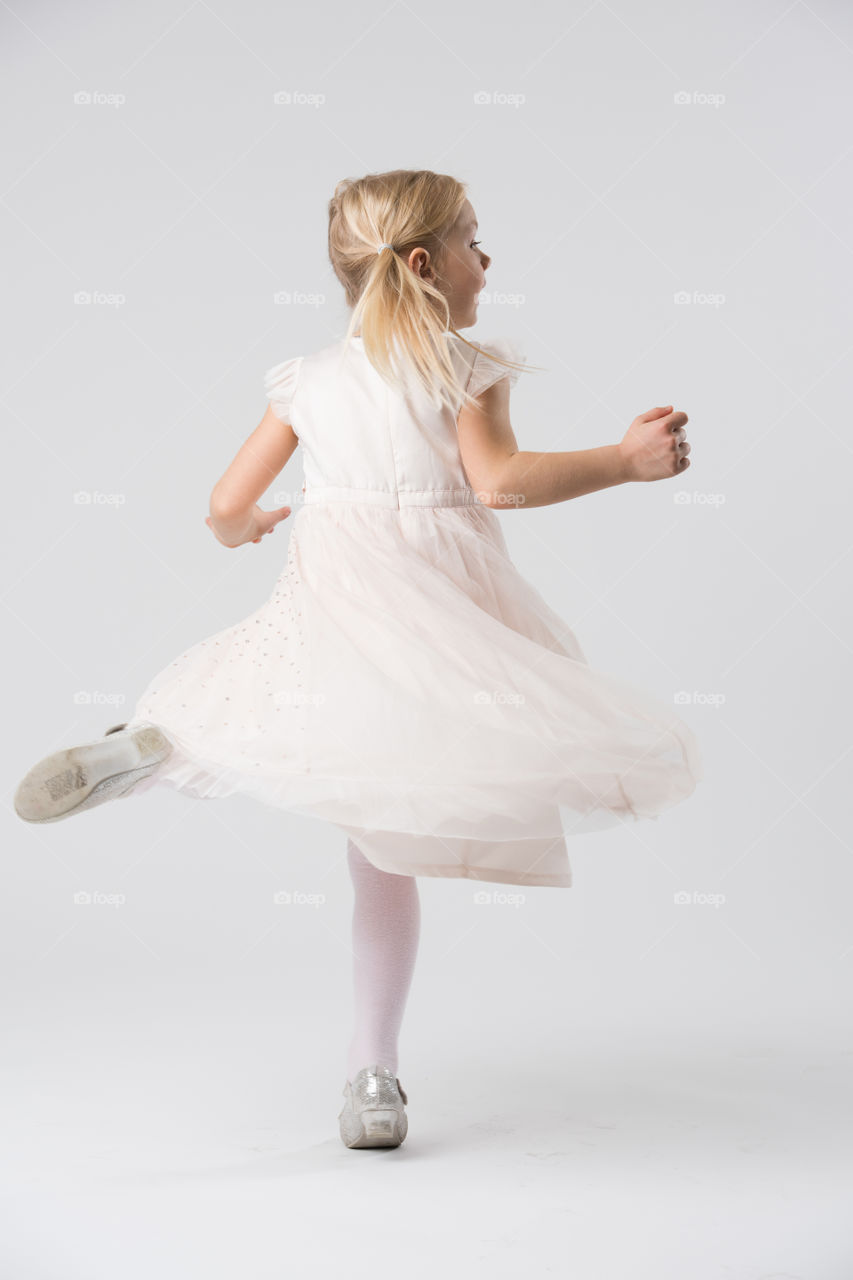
x,y
235,517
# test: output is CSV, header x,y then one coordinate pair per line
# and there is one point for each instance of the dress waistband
x,y
385,498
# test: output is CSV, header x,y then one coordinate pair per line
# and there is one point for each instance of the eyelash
x,y
473,242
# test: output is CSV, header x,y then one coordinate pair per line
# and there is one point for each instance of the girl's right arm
x,y
235,517
653,448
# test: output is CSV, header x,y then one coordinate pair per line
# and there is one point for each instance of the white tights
x,y
386,923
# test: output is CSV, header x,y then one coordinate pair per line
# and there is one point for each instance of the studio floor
x,y
196,1141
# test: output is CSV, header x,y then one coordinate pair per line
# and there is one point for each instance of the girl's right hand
x,y
252,529
654,446
266,521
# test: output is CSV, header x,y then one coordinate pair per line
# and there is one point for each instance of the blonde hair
x,y
391,305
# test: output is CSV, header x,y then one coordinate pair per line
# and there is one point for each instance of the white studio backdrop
x,y
665,192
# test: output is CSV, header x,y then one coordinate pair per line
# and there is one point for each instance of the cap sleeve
x,y
485,372
280,386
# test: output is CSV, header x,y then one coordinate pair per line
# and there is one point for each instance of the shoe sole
x,y
378,1128
79,778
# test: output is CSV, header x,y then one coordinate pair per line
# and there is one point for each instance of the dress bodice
x,y
365,442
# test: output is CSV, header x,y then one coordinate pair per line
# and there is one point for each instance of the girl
x,y
403,681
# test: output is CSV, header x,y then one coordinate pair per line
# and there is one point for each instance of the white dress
x,y
403,680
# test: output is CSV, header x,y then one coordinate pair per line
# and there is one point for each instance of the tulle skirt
x,y
405,682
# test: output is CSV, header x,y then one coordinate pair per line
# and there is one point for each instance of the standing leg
x,y
385,933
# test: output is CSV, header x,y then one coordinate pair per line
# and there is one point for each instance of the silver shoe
x,y
374,1113
82,777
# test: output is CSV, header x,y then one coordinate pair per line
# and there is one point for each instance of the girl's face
x,y
464,269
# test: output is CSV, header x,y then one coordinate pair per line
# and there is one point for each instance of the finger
x,y
652,414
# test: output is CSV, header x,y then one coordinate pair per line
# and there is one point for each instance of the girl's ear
x,y
419,262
